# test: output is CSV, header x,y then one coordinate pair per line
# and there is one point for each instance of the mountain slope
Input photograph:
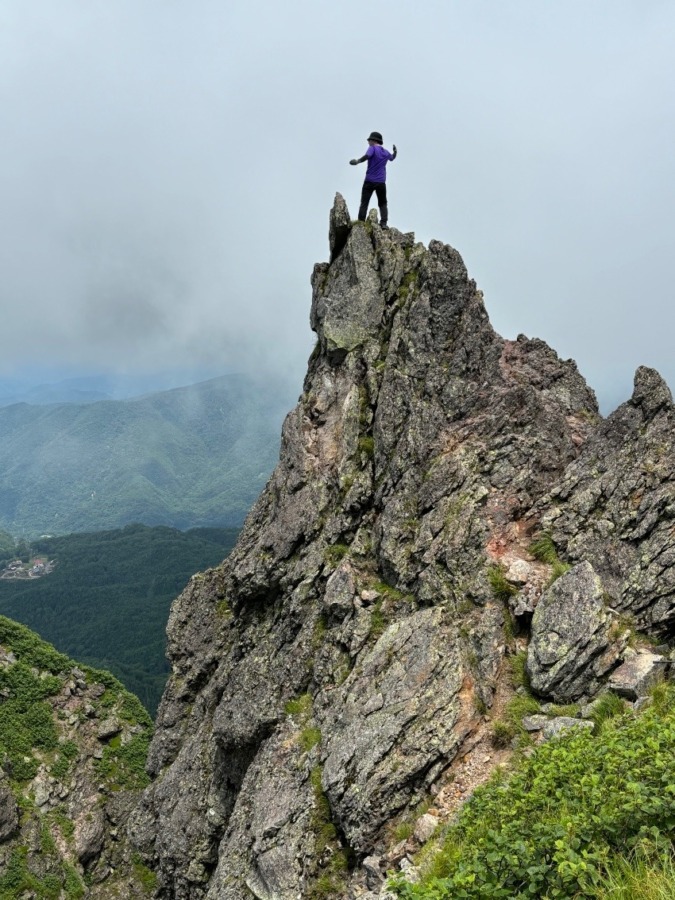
x,y
188,457
72,751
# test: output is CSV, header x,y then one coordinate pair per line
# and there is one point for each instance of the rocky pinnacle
x,y
329,672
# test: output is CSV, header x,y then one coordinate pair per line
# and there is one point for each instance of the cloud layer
x,y
167,169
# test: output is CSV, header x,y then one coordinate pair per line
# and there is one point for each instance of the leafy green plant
x,y
560,824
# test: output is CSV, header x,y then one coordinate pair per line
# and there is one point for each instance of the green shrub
x,y
378,619
299,706
564,709
559,568
334,554
502,733
26,719
67,752
607,707
146,876
518,667
123,765
559,825
366,445
330,875
543,549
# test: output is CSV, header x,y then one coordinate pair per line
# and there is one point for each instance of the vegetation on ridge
x,y
565,823
71,737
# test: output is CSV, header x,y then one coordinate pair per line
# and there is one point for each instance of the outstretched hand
x,y
393,147
353,162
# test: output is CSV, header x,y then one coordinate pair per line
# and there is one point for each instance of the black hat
x,y
376,136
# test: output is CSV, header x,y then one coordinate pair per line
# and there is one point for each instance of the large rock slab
x,y
569,649
359,582
394,723
638,674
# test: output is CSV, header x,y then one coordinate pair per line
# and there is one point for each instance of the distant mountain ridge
x,y
189,457
46,390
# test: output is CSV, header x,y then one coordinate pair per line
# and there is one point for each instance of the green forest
x,y
107,601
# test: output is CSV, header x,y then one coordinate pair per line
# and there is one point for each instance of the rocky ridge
x,y
73,747
343,665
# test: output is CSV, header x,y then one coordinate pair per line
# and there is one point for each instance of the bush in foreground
x,y
566,821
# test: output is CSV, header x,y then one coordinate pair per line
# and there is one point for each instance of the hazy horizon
x,y
167,172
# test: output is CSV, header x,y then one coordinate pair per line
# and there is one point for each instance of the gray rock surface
x,y
559,726
615,505
327,674
9,814
535,722
638,674
570,647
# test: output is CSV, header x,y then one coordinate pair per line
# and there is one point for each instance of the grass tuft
x,y
501,588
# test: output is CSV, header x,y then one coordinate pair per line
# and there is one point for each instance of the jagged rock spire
x,y
327,674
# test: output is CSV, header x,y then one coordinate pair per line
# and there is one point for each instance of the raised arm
x,y
394,151
355,162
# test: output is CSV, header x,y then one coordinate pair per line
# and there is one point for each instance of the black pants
x,y
367,192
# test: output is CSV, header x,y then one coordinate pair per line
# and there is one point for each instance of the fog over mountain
x,y
165,171
187,457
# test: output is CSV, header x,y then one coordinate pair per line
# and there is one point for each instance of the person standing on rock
x,y
376,176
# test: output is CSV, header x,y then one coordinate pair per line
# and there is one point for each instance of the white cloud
x,y
167,169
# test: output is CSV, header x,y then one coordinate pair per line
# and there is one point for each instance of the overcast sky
x,y
167,168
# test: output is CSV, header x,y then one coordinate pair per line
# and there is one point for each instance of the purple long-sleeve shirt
x,y
378,158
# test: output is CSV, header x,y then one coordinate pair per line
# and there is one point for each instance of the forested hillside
x,y
108,599
189,457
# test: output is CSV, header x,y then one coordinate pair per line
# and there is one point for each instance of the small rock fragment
x,y
425,826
